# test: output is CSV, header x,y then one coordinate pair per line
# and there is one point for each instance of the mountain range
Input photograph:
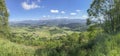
x,y
47,22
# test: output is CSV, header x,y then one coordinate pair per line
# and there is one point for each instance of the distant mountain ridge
x,y
48,22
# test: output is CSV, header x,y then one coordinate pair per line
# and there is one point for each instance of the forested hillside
x,y
99,37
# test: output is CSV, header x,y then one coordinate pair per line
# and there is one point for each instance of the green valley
x,y
98,34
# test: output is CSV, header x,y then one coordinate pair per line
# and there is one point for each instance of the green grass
x,y
8,48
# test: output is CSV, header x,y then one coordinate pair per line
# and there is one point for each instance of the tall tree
x,y
106,13
3,18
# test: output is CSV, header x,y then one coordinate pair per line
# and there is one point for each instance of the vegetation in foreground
x,y
100,39
88,43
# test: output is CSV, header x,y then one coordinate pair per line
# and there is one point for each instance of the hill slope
x,y
8,48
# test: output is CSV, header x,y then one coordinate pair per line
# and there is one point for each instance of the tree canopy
x,y
3,18
106,13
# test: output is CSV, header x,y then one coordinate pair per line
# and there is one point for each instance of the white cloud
x,y
38,0
48,15
62,17
44,16
63,12
27,6
54,11
66,17
73,13
78,10
84,17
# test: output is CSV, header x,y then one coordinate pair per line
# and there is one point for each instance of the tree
x,y
88,21
106,14
3,18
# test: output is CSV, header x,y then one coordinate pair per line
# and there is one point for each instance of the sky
x,y
47,9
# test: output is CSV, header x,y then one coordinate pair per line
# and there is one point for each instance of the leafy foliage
x,y
27,40
106,14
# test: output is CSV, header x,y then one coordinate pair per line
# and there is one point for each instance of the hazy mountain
x,y
48,22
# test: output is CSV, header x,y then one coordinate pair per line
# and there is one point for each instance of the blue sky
x,y
47,9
